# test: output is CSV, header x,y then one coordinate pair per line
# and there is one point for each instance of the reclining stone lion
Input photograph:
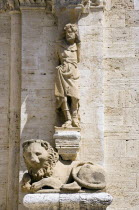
x,y
45,170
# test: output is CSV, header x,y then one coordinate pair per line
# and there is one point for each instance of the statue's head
x,y
71,33
40,158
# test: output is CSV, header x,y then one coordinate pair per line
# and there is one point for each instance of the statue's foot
x,y
70,187
75,122
67,124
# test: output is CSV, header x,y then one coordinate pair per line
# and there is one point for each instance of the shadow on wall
x,y
38,115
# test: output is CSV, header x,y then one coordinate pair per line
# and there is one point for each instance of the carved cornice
x,y
3,5
46,4
9,5
51,5
17,4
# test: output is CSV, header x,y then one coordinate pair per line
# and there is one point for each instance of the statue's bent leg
x,y
75,116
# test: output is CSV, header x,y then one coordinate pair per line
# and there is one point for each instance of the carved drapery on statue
x,y
67,76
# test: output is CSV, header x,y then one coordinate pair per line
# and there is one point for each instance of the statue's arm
x,y
78,52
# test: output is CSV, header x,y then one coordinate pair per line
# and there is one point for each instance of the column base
x,y
71,201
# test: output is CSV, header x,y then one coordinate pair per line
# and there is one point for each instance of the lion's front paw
x,y
36,186
26,187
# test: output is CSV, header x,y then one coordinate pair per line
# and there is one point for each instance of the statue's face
x,y
36,155
70,35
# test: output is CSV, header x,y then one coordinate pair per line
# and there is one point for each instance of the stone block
x,y
67,142
114,18
132,18
112,50
93,19
136,4
121,132
93,153
121,4
122,182
135,36
132,148
90,32
118,35
115,148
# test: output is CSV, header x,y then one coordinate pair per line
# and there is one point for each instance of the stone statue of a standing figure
x,y
67,76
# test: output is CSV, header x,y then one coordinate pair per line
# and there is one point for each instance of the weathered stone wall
x,y
38,76
39,35
121,95
4,104
115,41
91,87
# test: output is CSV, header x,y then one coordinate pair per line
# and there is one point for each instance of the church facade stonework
x,y
69,104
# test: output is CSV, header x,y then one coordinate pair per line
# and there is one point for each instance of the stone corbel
x,y
67,12
70,11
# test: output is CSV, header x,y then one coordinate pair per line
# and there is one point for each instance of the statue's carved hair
x,y
74,28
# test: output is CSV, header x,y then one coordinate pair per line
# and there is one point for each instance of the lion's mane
x,y
47,169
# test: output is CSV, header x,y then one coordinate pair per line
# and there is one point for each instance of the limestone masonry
x,y
69,87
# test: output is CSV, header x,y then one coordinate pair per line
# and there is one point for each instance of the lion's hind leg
x,y
71,187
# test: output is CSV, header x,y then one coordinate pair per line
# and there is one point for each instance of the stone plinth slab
x,y
67,142
60,201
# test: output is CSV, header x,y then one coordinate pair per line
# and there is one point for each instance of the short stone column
x,y
14,116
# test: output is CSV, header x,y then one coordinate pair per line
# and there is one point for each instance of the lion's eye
x,y
38,153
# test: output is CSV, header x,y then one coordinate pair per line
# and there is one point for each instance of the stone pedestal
x,y
67,142
71,201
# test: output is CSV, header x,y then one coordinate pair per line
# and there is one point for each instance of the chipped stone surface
x,y
68,201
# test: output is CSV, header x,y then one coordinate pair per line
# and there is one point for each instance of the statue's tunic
x,y
67,73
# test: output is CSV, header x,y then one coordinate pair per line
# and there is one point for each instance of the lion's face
x,y
35,155
40,158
